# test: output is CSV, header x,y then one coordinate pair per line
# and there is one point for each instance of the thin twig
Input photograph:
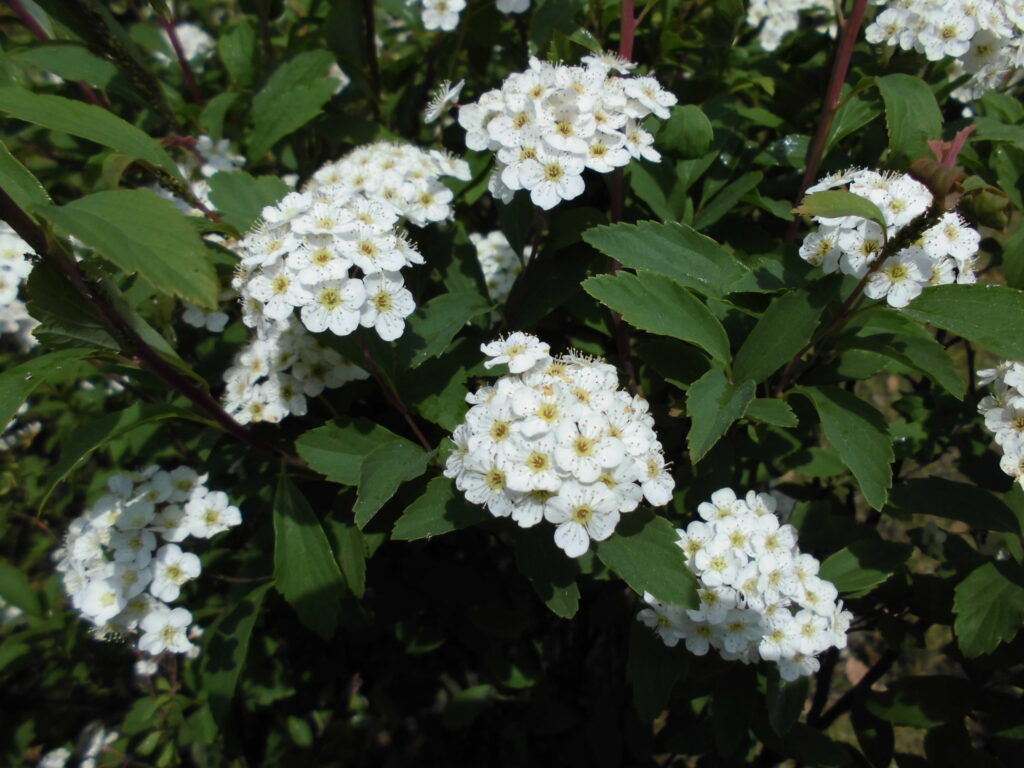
x,y
391,393
822,686
848,699
840,67
370,31
186,68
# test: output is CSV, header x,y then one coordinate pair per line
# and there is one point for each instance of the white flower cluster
x,y
943,254
92,742
196,44
760,597
781,17
403,176
550,123
986,37
303,254
556,439
116,571
499,263
274,373
1004,414
14,269
444,14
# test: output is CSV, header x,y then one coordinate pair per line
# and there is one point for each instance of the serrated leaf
x,y
237,48
912,115
382,472
987,314
856,431
653,669
954,501
864,564
88,122
989,608
550,572
432,327
336,450
441,509
770,411
17,383
240,198
688,130
652,303
140,232
226,644
673,250
836,203
305,571
713,404
294,95
781,332
19,183
644,553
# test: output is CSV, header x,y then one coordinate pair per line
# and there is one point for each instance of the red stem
x,y
186,68
627,30
840,67
391,393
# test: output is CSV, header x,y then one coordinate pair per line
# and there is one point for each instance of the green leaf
x,y
713,404
88,122
140,232
688,130
350,548
17,383
988,315
240,198
16,590
835,203
725,201
382,472
653,669
767,410
954,501
70,61
922,701
68,320
552,574
305,571
874,736
91,435
644,553
857,433
864,564
785,699
226,644
19,183
337,450
664,307
781,332
294,95
673,250
237,49
441,509
911,115
989,608
433,326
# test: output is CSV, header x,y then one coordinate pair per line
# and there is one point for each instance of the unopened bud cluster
x,y
985,37
550,123
944,253
121,560
760,597
1003,412
556,439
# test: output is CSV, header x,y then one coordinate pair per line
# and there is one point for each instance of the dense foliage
x,y
661,407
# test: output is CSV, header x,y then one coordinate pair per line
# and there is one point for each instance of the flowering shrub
x,y
603,383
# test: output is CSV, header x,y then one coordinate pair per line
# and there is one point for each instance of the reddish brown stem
x,y
186,68
840,67
391,393
142,352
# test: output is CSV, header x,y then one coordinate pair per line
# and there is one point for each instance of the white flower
x,y
336,305
210,514
442,14
387,305
445,94
171,569
519,350
166,630
665,620
581,513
